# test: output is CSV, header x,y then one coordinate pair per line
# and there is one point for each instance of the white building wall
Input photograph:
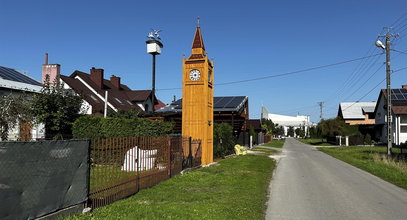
x,y
286,121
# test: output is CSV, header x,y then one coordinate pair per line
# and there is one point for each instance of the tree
x,y
57,108
290,131
278,130
272,128
253,134
224,141
14,109
336,126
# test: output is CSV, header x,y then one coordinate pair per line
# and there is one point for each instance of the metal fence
x,y
120,167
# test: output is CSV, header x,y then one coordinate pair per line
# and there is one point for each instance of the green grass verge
x,y
314,141
236,188
275,143
372,160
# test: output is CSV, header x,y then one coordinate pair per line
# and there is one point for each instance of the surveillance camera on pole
x,y
154,46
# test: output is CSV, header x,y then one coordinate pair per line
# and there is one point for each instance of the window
x,y
403,119
118,100
146,107
129,102
403,129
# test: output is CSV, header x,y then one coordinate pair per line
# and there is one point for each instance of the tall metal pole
x,y
153,82
388,89
320,106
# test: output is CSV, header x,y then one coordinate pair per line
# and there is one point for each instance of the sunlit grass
x,y
374,160
275,143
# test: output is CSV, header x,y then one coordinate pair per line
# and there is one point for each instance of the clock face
x,y
194,75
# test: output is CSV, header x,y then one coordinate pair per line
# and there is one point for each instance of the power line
x,y
287,73
373,88
402,52
364,83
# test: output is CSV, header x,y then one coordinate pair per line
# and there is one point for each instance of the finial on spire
x,y
198,22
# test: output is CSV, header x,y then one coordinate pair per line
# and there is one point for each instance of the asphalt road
x,y
309,184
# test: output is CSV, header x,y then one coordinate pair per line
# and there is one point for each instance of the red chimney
x,y
96,75
115,81
404,86
50,72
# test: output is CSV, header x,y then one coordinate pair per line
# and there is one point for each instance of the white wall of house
x,y
400,129
37,132
399,124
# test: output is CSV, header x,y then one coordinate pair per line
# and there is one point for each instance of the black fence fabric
x,y
37,178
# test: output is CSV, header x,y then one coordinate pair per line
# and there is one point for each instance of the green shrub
x,y
98,127
368,139
224,141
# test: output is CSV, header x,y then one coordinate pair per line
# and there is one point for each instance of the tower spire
x,y
198,47
197,22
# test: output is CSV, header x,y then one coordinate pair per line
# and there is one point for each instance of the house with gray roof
x,y
357,113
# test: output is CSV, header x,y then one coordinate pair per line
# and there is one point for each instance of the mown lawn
x,y
275,143
374,161
235,188
314,141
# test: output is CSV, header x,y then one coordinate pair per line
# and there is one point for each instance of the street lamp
x,y
154,46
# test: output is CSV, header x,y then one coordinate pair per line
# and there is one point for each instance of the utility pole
x,y
388,88
321,104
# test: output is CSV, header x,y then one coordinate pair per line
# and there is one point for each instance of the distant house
x,y
95,90
14,83
399,115
287,121
357,113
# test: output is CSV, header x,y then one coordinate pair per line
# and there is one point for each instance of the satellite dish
x,y
380,44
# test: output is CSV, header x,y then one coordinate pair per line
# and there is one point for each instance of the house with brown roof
x,y
399,115
99,93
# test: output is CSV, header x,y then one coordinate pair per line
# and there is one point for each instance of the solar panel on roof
x,y
396,91
178,102
13,75
221,103
236,101
399,102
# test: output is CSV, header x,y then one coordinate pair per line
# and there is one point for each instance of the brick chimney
x,y
52,72
404,86
115,81
96,75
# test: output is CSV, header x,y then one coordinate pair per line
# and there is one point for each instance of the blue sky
x,y
247,39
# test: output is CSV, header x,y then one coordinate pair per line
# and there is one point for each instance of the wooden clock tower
x,y
197,97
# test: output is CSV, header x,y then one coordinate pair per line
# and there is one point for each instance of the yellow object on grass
x,y
240,150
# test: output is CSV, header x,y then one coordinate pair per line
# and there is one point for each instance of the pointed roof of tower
x,y
198,41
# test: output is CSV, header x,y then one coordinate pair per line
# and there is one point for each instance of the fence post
x,y
169,156
137,164
88,201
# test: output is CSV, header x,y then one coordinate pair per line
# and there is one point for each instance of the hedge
x,y
98,127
